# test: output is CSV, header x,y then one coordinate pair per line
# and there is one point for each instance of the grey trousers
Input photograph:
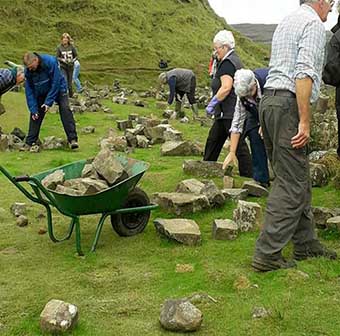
x,y
288,214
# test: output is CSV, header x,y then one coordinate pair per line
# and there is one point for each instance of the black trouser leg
x,y
66,117
245,166
35,125
191,94
218,134
68,73
337,105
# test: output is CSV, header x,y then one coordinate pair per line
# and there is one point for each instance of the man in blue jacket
x,y
44,86
8,79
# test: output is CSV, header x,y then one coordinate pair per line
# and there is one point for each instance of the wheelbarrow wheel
x,y
130,224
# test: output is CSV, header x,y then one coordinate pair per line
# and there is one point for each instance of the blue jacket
x,y
44,84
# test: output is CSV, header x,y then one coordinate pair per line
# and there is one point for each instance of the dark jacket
x,y
45,84
7,80
226,108
252,120
66,56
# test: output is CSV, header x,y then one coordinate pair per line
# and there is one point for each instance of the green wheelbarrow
x,y
128,205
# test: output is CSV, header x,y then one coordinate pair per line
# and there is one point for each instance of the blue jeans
x,y
259,156
75,78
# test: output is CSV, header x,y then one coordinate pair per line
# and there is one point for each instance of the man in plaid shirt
x,y
8,79
292,84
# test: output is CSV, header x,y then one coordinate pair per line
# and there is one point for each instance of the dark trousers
x,y
288,214
191,94
66,117
218,134
68,75
259,156
337,105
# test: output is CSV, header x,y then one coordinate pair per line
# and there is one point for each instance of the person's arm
x,y
75,53
172,87
303,94
55,76
30,98
226,86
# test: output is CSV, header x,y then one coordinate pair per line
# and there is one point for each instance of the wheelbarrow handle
x,y
24,178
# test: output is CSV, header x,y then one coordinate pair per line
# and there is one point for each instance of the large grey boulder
x,y
181,148
247,216
334,223
156,134
190,186
180,316
109,167
203,168
52,180
142,141
89,171
215,196
86,186
254,189
319,175
19,133
224,229
181,203
184,231
117,143
58,317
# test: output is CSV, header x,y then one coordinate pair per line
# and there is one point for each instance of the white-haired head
x,y
225,38
162,78
244,81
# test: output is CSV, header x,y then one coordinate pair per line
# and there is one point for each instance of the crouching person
x,y
44,86
248,87
8,79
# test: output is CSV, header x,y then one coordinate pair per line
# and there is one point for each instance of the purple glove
x,y
210,109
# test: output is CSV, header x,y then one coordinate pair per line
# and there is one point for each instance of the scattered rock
x,y
18,209
67,191
122,125
224,229
254,189
333,223
228,182
321,215
133,117
317,155
88,130
247,216
260,312
89,171
184,231
184,268
53,142
19,133
319,175
181,203
58,317
116,143
235,194
180,148
181,316
203,168
171,134
215,196
42,231
142,141
22,221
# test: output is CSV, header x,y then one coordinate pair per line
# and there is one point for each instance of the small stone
x,y
235,194
22,221
51,181
228,182
88,130
42,231
254,189
18,209
333,223
224,229
260,312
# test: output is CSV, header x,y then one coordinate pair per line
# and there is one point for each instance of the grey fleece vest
x,y
225,109
183,79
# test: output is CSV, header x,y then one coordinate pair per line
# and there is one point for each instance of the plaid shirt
x,y
240,113
7,80
298,51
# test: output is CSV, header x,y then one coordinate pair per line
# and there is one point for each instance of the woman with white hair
x,y
222,105
248,87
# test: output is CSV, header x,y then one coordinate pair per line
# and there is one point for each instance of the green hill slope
x,y
120,38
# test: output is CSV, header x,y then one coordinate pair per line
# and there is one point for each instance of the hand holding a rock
x,y
230,159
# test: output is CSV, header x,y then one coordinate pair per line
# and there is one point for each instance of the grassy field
x,y
120,288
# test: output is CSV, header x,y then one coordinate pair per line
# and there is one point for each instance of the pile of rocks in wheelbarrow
x,y
102,173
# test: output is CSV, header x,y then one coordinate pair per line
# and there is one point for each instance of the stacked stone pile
x,y
102,173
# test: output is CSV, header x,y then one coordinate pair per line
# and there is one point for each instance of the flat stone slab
x,y
255,189
180,203
203,168
321,215
224,229
235,194
334,223
184,231
247,216
180,148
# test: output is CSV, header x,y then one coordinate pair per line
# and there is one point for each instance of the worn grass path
x,y
120,288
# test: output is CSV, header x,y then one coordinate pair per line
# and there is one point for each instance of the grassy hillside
x,y
120,38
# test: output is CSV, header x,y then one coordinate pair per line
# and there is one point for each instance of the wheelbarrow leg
x,y
98,231
76,221
50,226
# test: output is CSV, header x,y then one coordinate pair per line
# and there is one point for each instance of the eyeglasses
x,y
220,47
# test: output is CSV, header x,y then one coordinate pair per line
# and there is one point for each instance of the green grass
x,y
121,39
120,288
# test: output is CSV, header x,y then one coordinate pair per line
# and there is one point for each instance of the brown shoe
x,y
267,264
313,249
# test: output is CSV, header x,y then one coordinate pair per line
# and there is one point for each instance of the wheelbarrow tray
x,y
105,201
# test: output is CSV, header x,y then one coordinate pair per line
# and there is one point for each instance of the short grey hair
x,y
29,57
225,37
162,78
244,81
